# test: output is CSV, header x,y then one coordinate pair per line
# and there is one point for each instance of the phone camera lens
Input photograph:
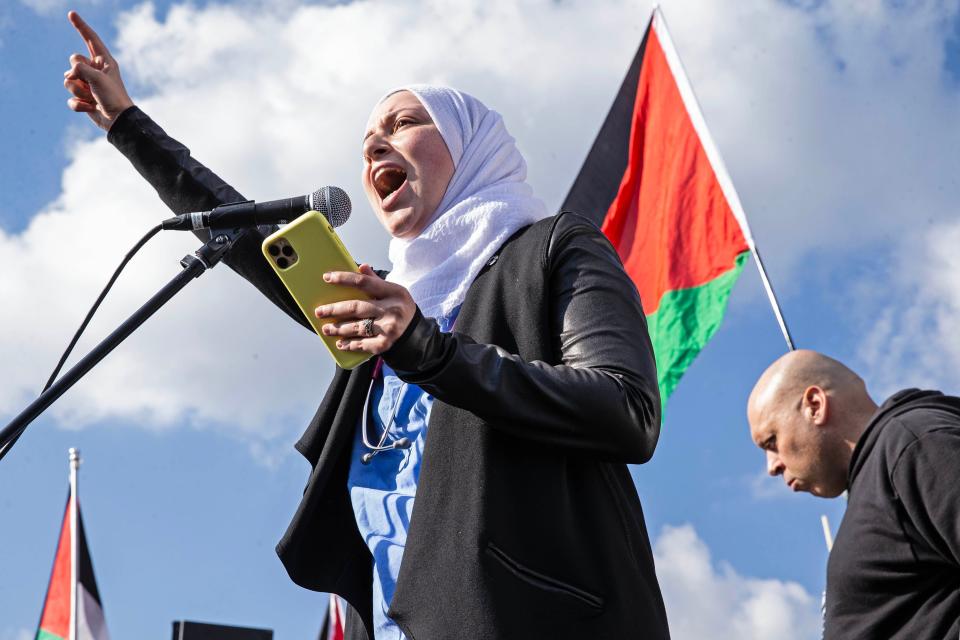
x,y
283,263
287,251
274,250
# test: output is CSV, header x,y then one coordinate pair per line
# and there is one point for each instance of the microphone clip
x,y
197,220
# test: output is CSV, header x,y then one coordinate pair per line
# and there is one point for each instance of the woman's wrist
x,y
124,108
121,122
402,350
421,348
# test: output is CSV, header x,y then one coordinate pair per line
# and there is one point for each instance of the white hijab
x,y
486,201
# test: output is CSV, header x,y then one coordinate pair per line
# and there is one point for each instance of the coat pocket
x,y
541,581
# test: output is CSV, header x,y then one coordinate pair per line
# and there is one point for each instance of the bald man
x,y
894,572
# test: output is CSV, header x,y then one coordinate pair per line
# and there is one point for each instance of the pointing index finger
x,y
94,44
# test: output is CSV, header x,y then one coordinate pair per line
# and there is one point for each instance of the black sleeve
x,y
925,478
602,400
185,185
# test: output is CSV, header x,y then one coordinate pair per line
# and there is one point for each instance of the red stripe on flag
x,y
335,617
56,608
670,222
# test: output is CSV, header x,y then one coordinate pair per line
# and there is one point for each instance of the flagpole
x,y
772,297
827,536
74,542
716,160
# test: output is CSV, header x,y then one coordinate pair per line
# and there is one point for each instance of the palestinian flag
x,y
655,183
58,614
333,623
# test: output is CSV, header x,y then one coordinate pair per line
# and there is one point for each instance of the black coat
x,y
527,523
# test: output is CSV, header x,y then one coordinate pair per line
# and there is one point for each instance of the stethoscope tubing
x,y
399,443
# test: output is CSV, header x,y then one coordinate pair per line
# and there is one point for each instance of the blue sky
x,y
837,122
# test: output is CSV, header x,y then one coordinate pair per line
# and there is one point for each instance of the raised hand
x,y
95,81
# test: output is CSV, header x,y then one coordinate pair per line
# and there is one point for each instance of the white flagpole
x,y
716,161
827,535
773,298
74,542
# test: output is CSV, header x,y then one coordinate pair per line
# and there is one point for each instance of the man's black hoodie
x,y
894,572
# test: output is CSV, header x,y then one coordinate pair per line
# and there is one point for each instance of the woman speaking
x,y
469,481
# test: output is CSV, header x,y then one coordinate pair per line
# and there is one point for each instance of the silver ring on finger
x,y
366,327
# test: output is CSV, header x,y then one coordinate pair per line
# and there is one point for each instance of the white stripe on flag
x,y
91,624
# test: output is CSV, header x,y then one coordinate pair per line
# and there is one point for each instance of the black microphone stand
x,y
206,257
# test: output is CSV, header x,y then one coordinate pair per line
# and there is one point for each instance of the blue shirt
x,y
383,491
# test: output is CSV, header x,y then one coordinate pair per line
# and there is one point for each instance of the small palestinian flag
x,y
655,183
332,628
57,617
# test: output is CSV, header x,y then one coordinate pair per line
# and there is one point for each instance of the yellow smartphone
x,y
301,252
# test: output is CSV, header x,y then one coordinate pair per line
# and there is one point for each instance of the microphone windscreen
x,y
333,203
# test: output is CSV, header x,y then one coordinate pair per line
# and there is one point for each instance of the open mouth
x,y
386,180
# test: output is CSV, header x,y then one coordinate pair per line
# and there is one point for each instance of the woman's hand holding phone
x,y
373,325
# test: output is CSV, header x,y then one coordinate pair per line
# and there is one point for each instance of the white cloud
x,y
44,7
834,121
914,341
708,601
48,8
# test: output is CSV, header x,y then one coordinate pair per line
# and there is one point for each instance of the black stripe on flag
x,y
85,570
599,179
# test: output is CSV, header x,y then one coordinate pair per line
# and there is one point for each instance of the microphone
x,y
332,202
